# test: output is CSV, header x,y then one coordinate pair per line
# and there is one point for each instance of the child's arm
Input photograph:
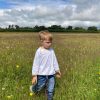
x,y
56,66
35,68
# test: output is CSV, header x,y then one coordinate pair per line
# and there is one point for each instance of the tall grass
x,y
78,57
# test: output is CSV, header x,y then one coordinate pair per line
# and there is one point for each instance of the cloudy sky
x,y
50,12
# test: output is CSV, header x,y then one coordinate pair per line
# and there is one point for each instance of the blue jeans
x,y
45,81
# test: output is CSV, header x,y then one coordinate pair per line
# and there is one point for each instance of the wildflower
x,y
9,96
95,89
3,88
31,94
17,66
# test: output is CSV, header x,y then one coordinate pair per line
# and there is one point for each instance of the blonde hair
x,y
44,35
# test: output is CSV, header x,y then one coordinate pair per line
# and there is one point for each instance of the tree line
x,y
53,28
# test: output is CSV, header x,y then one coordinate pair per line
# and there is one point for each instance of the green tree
x,y
92,29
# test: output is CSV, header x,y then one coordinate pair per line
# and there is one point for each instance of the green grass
x,y
78,56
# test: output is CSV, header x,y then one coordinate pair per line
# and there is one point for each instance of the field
x,y
78,56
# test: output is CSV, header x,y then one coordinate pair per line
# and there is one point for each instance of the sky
x,y
81,13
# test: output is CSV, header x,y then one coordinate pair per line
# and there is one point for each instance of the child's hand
x,y
34,80
58,74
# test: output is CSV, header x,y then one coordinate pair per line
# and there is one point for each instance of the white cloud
x,y
1,13
76,13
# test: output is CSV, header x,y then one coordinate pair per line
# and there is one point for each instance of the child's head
x,y
45,38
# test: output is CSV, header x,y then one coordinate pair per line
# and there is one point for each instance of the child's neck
x,y
44,47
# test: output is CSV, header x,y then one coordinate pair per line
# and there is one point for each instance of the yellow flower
x,y
31,94
17,66
95,89
3,88
9,96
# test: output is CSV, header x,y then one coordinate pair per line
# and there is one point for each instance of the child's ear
x,y
41,40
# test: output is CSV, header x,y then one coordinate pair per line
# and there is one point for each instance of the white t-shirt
x,y
45,62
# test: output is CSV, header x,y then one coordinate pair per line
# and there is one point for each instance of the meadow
x,y
78,56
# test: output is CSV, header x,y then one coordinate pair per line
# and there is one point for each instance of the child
x,y
45,66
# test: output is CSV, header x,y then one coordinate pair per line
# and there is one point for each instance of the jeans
x,y
47,81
